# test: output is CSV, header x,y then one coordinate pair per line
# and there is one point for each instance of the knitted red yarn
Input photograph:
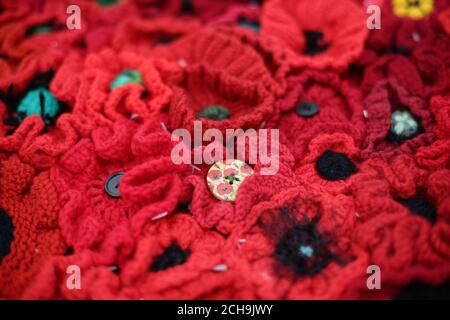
x,y
238,15
143,35
237,55
444,19
286,23
339,107
90,125
395,236
30,200
35,142
20,37
400,35
91,89
195,276
248,103
406,73
89,217
307,173
385,98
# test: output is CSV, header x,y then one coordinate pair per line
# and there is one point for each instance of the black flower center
x,y
172,256
6,234
314,43
421,207
335,166
413,3
303,249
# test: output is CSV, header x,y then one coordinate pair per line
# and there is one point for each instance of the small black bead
x,y
6,234
172,256
335,166
421,207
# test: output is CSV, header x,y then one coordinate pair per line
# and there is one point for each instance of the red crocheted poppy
x,y
99,209
173,259
130,87
437,155
312,34
143,35
406,212
37,33
29,232
244,16
37,139
330,164
218,100
11,11
298,245
229,50
337,108
382,139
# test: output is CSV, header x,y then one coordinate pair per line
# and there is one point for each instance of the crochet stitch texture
x,y
87,176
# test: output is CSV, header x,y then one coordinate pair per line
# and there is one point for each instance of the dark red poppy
x,y
40,32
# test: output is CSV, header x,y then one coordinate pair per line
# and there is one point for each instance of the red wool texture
x,y
284,23
348,192
30,200
340,110
385,98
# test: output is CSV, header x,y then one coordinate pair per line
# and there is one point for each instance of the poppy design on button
x,y
112,184
224,179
